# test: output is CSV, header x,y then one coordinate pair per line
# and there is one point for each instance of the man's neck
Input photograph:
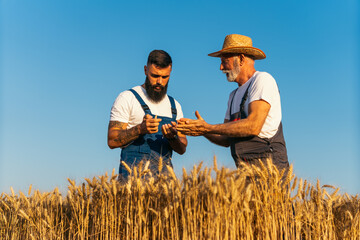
x,y
244,76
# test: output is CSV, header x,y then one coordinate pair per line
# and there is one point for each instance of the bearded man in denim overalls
x,y
143,120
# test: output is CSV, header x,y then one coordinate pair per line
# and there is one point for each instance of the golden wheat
x,y
253,202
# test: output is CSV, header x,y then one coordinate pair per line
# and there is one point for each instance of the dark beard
x,y
154,95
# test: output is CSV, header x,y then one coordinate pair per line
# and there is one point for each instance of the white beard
x,y
231,75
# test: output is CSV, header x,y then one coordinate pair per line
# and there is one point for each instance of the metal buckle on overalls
x,y
145,107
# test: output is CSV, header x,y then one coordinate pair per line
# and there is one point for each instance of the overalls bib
x,y
253,148
149,147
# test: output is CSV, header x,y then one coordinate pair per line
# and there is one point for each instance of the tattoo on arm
x,y
117,125
120,135
127,135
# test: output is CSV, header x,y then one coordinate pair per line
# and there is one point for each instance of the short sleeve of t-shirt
x,y
263,88
121,109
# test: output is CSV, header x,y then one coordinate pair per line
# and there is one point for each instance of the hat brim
x,y
255,52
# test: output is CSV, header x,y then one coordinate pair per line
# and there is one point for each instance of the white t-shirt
x,y
127,108
263,87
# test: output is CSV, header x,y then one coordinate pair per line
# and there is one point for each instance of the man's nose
x,y
159,80
221,67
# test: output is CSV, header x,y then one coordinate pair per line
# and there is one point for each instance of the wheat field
x,y
206,203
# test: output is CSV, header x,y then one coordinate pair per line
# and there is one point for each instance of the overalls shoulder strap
x,y
173,107
141,101
232,99
242,105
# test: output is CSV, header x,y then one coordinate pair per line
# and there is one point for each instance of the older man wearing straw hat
x,y
252,126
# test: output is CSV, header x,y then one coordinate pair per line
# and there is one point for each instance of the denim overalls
x,y
149,146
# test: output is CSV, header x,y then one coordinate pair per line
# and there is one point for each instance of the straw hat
x,y
235,43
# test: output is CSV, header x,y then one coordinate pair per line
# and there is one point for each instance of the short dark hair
x,y
159,58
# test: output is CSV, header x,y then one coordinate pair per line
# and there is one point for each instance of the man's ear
x,y
242,59
145,69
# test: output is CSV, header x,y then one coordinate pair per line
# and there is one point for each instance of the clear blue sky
x,y
64,62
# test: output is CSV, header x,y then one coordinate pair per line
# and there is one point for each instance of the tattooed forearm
x,y
119,136
117,125
127,135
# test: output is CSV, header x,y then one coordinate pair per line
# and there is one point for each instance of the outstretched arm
x,y
218,139
250,126
119,136
185,126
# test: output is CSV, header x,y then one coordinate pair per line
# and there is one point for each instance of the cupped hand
x,y
169,130
150,125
